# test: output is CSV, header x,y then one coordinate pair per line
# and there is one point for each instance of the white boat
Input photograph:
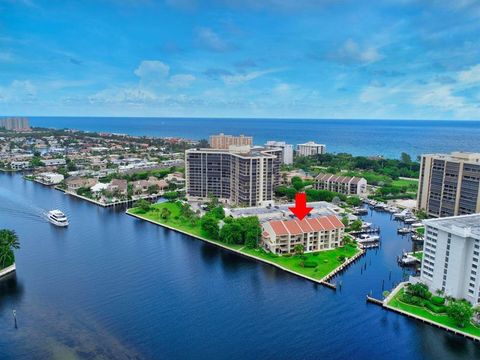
x,y
57,218
366,225
410,220
366,238
417,224
408,259
403,230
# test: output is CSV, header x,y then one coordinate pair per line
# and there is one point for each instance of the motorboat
x,y
408,259
403,230
366,238
366,225
417,237
410,220
57,218
360,211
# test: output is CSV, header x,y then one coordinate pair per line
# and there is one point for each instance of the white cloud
x,y
18,91
211,40
151,71
243,78
282,89
181,80
353,52
471,75
134,95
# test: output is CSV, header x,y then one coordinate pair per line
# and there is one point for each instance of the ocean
x,y
359,137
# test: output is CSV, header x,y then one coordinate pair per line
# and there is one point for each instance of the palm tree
x,y
8,242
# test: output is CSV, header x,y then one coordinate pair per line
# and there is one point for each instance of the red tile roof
x,y
296,227
278,227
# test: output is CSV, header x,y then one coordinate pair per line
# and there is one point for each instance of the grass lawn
x,y
424,313
420,230
179,223
411,184
418,255
326,260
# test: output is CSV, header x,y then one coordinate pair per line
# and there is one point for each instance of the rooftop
x,y
314,224
280,212
458,156
464,225
242,151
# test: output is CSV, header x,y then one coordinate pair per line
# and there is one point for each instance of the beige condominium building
x,y
315,234
16,124
241,175
311,148
347,185
449,184
222,141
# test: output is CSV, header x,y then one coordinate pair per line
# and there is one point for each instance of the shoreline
x,y
8,270
323,281
395,291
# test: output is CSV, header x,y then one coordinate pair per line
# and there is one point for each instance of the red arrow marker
x,y
300,210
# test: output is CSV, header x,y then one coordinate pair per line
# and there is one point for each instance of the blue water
x,y
114,287
359,137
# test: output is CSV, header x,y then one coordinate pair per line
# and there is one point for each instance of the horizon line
x,y
231,118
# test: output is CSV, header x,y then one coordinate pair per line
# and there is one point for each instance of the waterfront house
x,y
119,186
315,234
73,184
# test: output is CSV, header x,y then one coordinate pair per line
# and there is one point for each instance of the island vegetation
x,y
454,313
8,243
240,234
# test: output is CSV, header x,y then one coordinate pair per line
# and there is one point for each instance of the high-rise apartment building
x,y
241,175
449,184
451,256
311,148
222,141
287,150
15,124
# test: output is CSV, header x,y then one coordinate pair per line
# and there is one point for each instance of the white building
x,y
311,148
49,178
53,162
451,256
286,148
20,165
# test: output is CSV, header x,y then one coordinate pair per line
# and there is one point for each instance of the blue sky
x,y
386,59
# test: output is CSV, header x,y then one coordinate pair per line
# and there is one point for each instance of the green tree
x,y
354,201
217,212
299,249
165,213
209,224
170,195
460,311
231,233
297,183
8,243
143,205
153,189
356,225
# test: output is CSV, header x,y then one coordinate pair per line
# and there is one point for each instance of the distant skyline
x,y
386,59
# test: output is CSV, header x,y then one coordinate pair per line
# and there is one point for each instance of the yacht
x,y
404,230
58,218
366,238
